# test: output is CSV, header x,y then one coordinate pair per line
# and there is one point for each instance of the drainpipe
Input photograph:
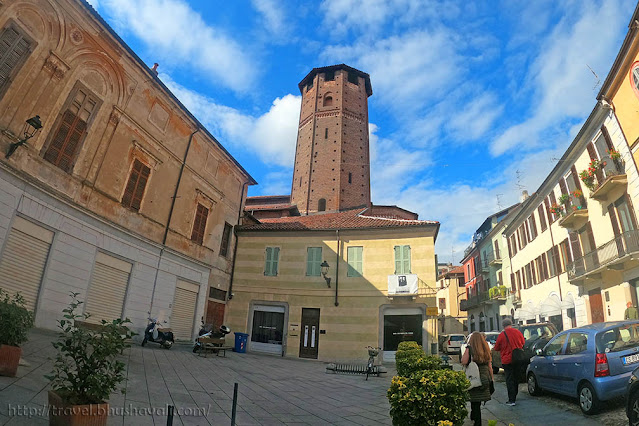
x,y
337,268
168,222
229,295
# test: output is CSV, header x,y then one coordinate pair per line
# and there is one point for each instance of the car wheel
x,y
495,370
633,413
533,386
588,401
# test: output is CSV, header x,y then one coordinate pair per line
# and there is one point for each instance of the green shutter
x,y
267,265
276,259
354,255
398,260
406,259
313,261
272,257
402,260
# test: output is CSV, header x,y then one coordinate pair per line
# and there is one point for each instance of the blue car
x,y
593,363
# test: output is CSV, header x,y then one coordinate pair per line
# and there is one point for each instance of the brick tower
x,y
332,164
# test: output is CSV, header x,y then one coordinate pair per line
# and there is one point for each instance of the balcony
x,y
608,186
497,294
610,255
473,301
496,260
575,219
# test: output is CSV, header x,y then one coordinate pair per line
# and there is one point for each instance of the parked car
x,y
491,338
453,343
440,340
632,398
593,363
535,336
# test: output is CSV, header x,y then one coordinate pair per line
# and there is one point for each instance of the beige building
x,y
573,241
122,196
450,293
377,290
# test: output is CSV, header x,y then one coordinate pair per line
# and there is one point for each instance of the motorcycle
x,y
153,333
220,334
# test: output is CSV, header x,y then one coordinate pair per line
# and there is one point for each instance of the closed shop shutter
x,y
184,310
107,291
24,259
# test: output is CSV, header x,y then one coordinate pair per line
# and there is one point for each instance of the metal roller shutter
x,y
24,259
183,314
105,299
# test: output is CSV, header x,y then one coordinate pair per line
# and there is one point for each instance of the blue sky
x,y
472,101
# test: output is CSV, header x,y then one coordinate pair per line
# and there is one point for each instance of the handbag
x,y
492,387
472,373
518,354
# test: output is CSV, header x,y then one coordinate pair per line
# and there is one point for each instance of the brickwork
x,y
332,157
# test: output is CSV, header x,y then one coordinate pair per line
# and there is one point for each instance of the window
x,y
402,260
329,76
216,293
328,101
350,178
542,217
226,239
354,259
326,133
199,224
553,201
566,255
519,280
552,270
532,226
14,49
72,128
313,261
497,254
134,190
556,345
513,245
309,85
272,260
321,205
529,277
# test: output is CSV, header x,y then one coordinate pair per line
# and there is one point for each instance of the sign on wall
x,y
402,284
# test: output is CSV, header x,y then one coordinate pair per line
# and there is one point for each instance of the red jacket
x,y
505,349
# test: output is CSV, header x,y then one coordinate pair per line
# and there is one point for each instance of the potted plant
x,y
577,193
614,154
564,198
15,323
556,209
86,369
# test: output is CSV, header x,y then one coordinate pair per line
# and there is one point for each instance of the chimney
x,y
155,68
524,196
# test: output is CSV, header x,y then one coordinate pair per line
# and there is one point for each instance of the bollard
x,y
169,417
234,405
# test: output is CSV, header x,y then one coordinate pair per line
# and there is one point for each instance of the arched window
x,y
634,78
321,205
328,101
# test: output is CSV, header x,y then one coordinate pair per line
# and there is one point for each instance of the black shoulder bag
x,y
518,354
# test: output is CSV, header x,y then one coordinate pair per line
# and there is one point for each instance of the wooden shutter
x,y
14,48
607,138
497,254
402,259
136,185
226,236
542,217
592,153
354,255
527,234
615,228
564,190
553,201
533,225
24,259
313,261
183,314
272,258
544,265
551,217
631,209
533,271
510,250
513,285
575,245
500,278
107,291
199,224
73,126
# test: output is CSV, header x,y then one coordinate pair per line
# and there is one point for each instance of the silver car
x,y
491,338
453,343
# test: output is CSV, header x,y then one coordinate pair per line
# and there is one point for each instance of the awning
x,y
527,312
550,306
568,302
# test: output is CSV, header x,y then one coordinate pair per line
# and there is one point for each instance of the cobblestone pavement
x,y
272,391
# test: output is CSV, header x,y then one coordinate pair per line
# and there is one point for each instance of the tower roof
x,y
314,71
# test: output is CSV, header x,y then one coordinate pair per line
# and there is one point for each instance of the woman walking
x,y
478,351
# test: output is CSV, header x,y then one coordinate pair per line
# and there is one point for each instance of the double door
x,y
309,336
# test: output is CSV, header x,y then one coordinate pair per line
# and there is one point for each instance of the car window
x,y
577,343
555,345
618,338
491,338
536,332
456,338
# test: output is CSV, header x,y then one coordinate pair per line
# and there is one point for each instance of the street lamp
x,y
31,127
325,267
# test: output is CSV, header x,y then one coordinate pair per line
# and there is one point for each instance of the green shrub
x,y
411,358
403,346
427,397
15,319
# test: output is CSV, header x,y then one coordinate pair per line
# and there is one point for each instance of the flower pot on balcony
x,y
61,413
9,360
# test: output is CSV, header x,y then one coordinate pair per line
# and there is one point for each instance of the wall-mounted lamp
x,y
325,267
31,127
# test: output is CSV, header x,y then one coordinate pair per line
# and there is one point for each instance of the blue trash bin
x,y
240,342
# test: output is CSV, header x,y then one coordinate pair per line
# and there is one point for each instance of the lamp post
x,y
31,127
325,267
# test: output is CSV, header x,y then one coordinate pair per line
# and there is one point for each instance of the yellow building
x,y
375,287
450,292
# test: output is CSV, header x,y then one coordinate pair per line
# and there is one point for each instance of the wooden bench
x,y
213,345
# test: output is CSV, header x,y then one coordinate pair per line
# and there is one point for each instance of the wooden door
x,y
309,336
596,305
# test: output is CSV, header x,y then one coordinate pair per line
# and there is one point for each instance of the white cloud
x,y
272,14
561,82
276,183
271,136
178,35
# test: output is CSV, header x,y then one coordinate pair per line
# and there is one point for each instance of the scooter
x,y
155,334
220,334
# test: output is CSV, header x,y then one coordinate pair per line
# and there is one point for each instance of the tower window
x,y
329,76
326,133
309,86
328,101
350,178
321,205
353,78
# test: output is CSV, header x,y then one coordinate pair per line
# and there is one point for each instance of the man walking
x,y
507,341
631,312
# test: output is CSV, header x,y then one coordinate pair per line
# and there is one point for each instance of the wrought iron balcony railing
x,y
604,255
473,301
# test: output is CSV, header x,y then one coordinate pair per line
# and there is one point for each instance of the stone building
x,y
123,196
